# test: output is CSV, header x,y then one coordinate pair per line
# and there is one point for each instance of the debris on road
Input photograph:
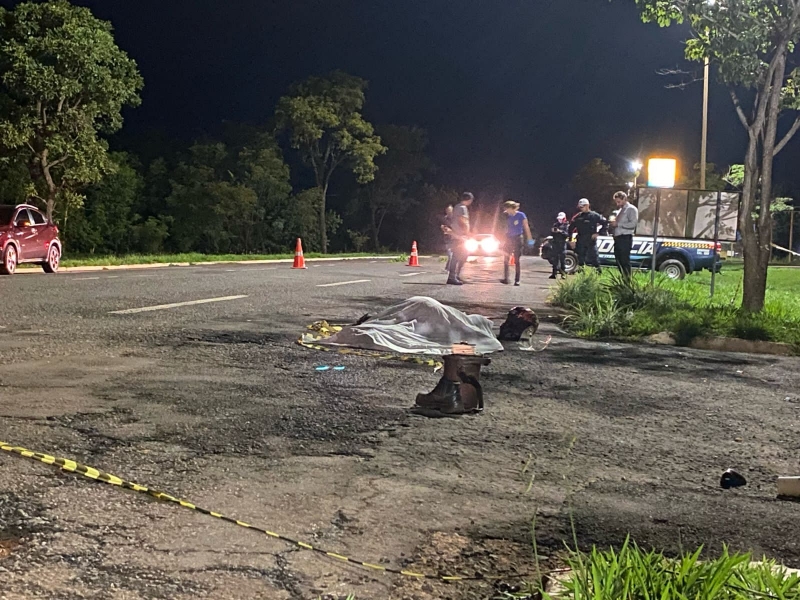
x,y
789,487
732,479
520,322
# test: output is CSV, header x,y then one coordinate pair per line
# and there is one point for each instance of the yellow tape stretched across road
x,y
98,475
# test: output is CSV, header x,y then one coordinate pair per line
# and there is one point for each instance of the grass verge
x,y
633,573
193,257
609,306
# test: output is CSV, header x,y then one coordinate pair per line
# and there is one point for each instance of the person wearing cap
x,y
624,226
447,228
559,233
517,232
459,232
587,224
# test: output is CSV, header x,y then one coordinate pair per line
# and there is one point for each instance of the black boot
x,y
459,390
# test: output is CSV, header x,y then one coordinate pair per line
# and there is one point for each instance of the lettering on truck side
x,y
605,248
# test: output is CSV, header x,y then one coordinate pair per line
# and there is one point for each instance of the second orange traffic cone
x,y
413,260
299,259
512,261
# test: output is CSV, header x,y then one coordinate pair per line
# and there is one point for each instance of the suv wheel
x,y
673,268
571,262
10,260
53,260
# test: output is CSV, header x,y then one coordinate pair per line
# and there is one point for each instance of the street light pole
x,y
704,143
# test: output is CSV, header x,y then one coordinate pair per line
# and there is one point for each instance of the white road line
x,y
413,274
344,283
113,277
130,311
85,278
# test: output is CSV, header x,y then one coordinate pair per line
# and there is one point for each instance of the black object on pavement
x,y
732,479
458,392
519,320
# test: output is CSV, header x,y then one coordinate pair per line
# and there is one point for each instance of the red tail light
x,y
719,247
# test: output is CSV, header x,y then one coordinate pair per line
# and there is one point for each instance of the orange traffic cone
x,y
413,260
299,260
512,261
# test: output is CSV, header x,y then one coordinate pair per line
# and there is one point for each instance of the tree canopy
x,y
322,116
596,181
63,82
749,42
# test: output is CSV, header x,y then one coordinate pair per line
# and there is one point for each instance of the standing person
x,y
586,223
517,232
560,233
460,231
624,227
447,229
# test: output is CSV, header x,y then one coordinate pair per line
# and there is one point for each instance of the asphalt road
x,y
188,379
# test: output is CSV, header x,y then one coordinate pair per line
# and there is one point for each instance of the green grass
x,y
609,306
632,573
193,257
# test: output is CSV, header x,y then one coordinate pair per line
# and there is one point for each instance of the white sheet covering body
x,y
420,325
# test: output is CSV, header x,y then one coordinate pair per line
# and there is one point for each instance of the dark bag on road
x,y
519,320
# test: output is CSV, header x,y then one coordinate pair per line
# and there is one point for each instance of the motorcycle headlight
x,y
490,245
471,245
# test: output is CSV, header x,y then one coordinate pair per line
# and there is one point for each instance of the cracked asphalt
x,y
215,403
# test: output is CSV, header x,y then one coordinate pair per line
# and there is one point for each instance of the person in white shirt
x,y
624,228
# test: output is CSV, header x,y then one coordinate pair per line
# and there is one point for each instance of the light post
x,y
704,141
636,167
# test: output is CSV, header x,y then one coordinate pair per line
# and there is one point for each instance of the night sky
x,y
516,94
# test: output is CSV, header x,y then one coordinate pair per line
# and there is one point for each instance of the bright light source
x,y
661,172
631,184
636,165
471,245
490,245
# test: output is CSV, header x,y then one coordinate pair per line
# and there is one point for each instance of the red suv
x,y
27,237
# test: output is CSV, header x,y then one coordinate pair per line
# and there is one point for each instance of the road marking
x,y
413,274
130,311
113,277
344,283
85,278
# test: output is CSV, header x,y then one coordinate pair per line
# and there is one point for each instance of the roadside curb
x,y
95,268
727,344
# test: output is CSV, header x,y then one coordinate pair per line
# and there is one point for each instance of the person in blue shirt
x,y
517,232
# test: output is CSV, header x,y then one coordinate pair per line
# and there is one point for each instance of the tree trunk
x,y
323,231
51,187
374,227
757,235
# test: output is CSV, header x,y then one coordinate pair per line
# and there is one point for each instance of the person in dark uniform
x,y
447,228
460,230
560,233
587,224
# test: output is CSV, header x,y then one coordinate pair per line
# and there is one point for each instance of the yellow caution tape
x,y
323,330
92,473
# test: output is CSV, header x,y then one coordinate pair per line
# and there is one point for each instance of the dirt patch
x,y
450,553
7,546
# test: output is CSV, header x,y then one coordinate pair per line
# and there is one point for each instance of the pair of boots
x,y
459,390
